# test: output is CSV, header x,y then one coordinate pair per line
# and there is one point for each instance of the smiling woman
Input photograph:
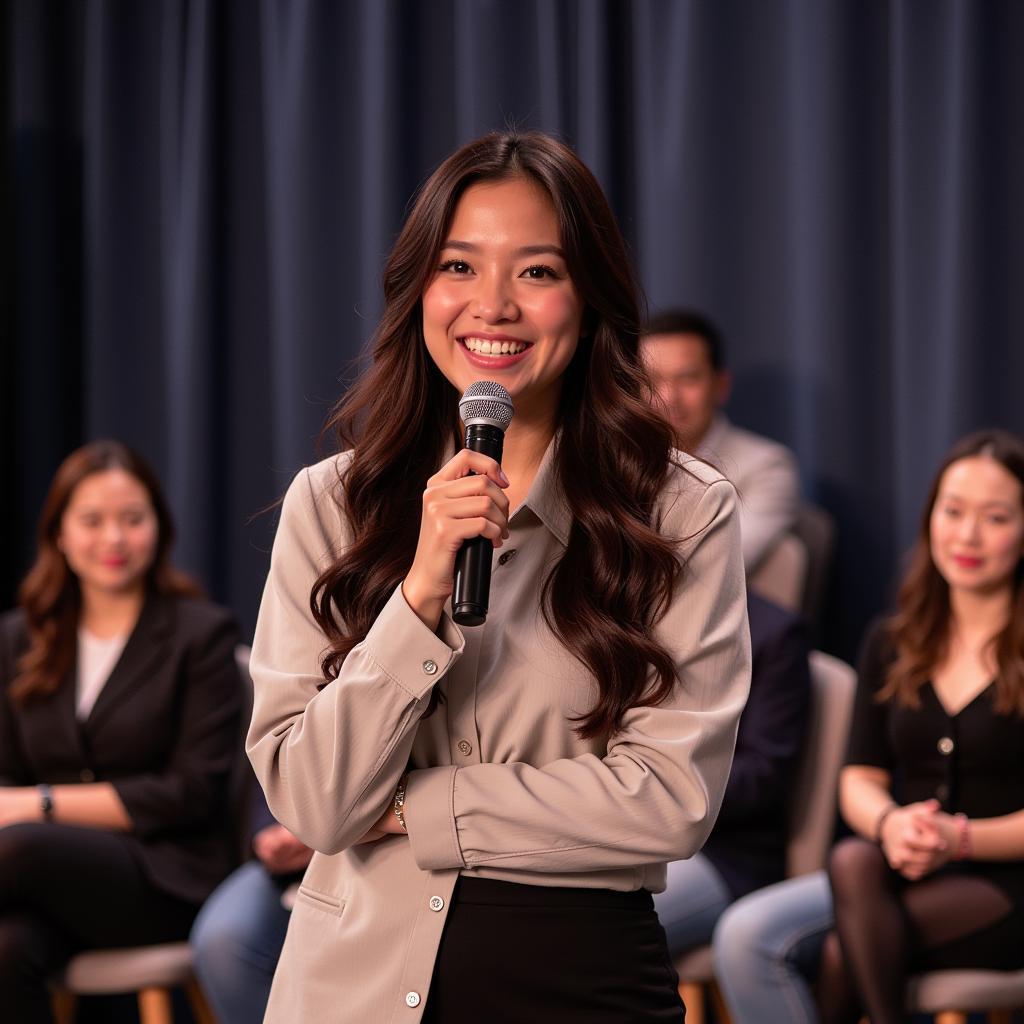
x,y
492,806
119,704
502,302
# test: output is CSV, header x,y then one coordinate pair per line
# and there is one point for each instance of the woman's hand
x,y
918,839
457,506
279,851
19,803
386,825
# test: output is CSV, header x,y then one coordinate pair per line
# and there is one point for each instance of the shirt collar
x,y
546,499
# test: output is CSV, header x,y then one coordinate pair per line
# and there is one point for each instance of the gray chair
x,y
952,995
816,529
795,571
781,576
812,814
150,971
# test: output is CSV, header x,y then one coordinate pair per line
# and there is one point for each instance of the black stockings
x,y
887,927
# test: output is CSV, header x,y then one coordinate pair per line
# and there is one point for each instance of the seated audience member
x,y
238,935
684,357
934,781
119,721
747,848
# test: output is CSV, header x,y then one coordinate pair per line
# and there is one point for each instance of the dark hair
x,y
920,627
689,321
50,597
617,574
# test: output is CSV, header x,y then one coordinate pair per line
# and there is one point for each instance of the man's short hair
x,y
689,321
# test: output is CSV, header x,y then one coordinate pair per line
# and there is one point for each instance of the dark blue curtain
x,y
198,196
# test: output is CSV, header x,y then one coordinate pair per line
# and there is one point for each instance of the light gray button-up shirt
x,y
501,787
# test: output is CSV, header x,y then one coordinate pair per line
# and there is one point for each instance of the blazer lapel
x,y
144,649
50,725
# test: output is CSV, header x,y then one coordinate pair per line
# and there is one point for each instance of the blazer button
x,y
436,904
412,999
465,748
430,666
507,557
86,775
945,745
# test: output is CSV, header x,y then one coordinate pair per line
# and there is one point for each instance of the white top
x,y
96,660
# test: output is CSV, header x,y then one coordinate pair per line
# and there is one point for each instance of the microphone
x,y
486,409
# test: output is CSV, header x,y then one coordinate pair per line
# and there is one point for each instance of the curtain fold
x,y
198,198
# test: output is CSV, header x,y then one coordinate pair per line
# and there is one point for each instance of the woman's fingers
x,y
466,462
466,487
442,503
464,500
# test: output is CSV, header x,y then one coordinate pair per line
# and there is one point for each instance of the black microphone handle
x,y
473,562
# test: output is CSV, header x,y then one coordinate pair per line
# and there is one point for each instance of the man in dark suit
x,y
747,848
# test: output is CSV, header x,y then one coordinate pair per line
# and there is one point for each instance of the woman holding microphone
x,y
493,805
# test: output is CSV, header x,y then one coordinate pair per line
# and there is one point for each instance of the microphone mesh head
x,y
486,402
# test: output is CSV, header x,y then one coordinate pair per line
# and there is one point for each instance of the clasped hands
x,y
918,839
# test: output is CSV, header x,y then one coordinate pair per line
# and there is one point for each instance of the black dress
x,y
971,762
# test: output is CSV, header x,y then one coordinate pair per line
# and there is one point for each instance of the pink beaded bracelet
x,y
963,833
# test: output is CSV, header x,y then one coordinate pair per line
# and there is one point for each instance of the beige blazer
x,y
500,787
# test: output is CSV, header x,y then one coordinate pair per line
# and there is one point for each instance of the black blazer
x,y
748,843
164,731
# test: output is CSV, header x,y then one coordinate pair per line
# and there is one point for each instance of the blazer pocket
x,y
320,900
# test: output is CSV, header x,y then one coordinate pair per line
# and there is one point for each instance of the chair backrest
x,y
817,530
782,574
812,817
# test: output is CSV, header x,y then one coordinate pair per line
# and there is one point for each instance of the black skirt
x,y
527,954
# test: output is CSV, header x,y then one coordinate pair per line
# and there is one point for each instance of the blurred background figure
x,y
747,847
119,726
238,935
685,359
934,782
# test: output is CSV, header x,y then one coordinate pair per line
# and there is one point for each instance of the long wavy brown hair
x,y
618,573
920,628
50,597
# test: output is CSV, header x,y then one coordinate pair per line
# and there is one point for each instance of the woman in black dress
x,y
934,782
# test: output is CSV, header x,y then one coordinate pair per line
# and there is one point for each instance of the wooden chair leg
x,y
155,1006
692,994
198,1004
951,1017
64,1004
718,1002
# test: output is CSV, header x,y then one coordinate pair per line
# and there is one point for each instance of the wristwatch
x,y
46,801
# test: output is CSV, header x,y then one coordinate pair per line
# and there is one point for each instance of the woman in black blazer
x,y
119,721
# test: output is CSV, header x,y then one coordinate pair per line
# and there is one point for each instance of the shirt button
x,y
436,904
942,792
412,999
945,745
465,747
430,666
86,775
506,557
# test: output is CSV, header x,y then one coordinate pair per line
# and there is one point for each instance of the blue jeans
x,y
236,941
767,947
692,902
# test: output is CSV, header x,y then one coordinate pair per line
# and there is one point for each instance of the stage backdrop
x,y
197,198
